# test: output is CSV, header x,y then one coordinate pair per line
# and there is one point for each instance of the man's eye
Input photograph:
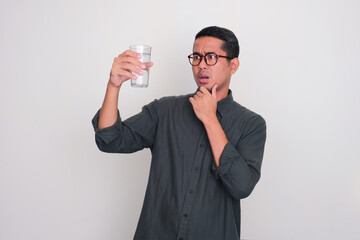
x,y
196,57
211,56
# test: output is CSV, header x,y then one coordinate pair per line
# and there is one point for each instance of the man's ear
x,y
234,64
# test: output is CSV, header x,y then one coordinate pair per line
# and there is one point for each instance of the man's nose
x,y
203,64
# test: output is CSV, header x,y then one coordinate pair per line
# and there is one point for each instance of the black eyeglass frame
x,y
191,56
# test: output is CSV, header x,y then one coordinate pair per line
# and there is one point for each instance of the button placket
x,y
191,190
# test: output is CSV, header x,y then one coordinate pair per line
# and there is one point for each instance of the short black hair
x,y
231,44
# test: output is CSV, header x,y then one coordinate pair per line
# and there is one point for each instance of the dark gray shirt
x,y
188,197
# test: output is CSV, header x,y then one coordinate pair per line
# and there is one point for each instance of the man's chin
x,y
207,85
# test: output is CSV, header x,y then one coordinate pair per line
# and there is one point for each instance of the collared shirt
x,y
188,197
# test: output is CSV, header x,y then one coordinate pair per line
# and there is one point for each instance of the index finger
x,y
204,90
130,53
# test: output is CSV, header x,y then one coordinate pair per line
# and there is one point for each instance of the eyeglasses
x,y
210,58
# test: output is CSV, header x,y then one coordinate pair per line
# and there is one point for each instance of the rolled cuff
x,y
227,157
109,133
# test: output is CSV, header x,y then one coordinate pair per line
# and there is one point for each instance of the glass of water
x,y
145,51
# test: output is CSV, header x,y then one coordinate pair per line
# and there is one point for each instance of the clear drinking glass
x,y
145,51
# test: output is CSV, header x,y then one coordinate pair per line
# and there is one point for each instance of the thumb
x,y
213,91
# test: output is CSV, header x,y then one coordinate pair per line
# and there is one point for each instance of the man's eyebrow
x,y
212,52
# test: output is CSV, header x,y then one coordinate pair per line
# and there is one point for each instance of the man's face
x,y
220,73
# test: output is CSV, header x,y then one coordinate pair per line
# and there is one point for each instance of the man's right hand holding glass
x,y
123,67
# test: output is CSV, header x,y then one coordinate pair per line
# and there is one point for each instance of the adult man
x,y
206,148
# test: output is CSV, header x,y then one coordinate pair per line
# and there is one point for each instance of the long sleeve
x,y
127,136
240,163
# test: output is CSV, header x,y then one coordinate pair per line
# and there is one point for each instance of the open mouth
x,y
203,78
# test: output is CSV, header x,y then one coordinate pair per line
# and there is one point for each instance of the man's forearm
x,y
109,110
217,138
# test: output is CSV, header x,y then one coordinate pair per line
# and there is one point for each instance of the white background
x,y
299,69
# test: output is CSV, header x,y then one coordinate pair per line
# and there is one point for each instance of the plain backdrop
x,y
300,69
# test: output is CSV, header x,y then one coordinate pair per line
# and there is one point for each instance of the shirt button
x,y
185,215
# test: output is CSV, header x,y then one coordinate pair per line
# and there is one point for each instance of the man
x,y
206,148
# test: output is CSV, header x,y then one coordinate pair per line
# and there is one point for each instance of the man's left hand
x,y
204,104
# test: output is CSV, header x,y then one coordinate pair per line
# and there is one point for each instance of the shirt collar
x,y
223,105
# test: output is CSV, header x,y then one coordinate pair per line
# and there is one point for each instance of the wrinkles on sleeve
x,y
227,157
233,172
106,135
240,164
135,133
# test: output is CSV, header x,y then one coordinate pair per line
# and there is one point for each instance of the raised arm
x,y
121,71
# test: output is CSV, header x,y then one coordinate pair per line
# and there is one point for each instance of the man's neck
x,y
220,95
